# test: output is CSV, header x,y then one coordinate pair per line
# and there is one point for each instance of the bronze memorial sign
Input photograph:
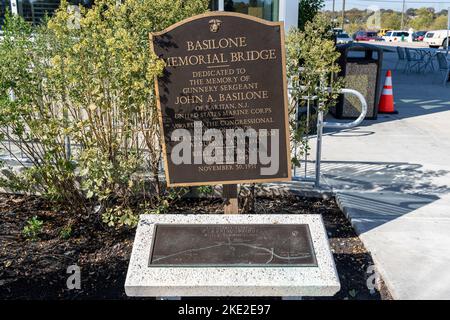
x,y
232,245
222,100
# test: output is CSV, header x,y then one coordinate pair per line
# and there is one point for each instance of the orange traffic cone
x,y
386,104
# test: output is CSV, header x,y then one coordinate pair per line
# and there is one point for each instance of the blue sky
x,y
386,4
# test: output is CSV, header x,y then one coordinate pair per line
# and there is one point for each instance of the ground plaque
x,y
231,255
232,245
222,100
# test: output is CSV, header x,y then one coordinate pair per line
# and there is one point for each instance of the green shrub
x,y
65,232
205,190
119,217
87,78
33,228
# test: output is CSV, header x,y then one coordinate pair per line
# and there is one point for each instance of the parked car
x,y
396,35
436,38
419,35
382,32
367,36
343,38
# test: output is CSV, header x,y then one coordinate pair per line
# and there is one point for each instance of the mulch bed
x,y
37,269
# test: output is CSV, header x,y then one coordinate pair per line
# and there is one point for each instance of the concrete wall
x,y
289,13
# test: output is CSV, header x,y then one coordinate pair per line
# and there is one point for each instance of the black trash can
x,y
361,67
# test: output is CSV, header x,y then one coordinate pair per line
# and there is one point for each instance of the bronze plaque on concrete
x,y
222,100
238,245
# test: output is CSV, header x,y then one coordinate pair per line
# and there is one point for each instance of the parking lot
x,y
392,45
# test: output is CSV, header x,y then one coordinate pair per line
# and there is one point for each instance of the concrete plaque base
x,y
153,280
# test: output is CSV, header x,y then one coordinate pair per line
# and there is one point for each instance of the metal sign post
x,y
230,195
343,14
403,15
448,27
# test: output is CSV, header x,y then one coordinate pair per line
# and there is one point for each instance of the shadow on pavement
x,y
374,193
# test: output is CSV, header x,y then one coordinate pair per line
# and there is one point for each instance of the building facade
x,y
272,10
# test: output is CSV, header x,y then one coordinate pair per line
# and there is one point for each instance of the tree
x,y
391,20
443,12
423,20
307,10
419,19
352,27
439,23
411,12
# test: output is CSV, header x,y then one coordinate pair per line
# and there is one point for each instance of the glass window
x,y
34,11
4,4
265,9
214,5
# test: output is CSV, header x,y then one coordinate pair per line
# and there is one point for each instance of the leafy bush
x,y
33,228
205,190
120,217
66,232
87,76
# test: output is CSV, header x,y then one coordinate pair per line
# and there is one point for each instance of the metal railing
x,y
321,124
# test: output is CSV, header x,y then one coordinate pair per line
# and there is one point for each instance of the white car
x,y
436,38
396,36
343,38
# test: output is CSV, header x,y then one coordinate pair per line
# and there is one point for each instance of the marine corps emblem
x,y
214,25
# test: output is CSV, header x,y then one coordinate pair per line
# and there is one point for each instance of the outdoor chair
x,y
444,66
413,60
401,58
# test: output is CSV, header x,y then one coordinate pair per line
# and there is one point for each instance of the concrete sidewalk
x,y
392,179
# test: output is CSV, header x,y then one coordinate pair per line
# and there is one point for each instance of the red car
x,y
367,36
419,35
